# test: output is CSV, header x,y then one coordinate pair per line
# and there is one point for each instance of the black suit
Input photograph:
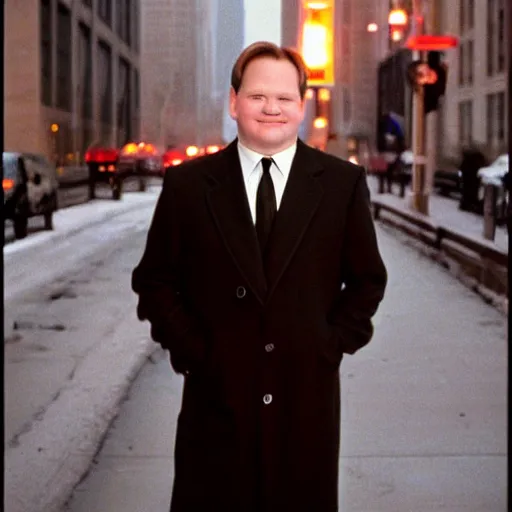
x,y
244,332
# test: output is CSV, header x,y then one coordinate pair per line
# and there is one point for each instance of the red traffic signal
x,y
420,73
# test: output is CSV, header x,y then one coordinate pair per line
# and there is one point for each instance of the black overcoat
x,y
260,343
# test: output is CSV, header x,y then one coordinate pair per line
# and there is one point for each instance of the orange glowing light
x,y
320,122
192,151
7,184
372,27
315,45
397,35
212,149
398,17
130,149
317,6
324,94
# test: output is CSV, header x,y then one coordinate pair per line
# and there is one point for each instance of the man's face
x,y
268,108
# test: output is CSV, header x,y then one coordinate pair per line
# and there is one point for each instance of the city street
x,y
423,407
72,343
103,98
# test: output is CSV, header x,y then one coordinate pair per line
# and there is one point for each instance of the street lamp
x,y
397,21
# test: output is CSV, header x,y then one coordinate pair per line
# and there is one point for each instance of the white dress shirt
x,y
252,172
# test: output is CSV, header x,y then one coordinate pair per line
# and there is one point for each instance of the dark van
x,y
30,188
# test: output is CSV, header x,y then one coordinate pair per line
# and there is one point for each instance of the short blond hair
x,y
266,49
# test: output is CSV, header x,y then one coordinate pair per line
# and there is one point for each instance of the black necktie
x,y
265,205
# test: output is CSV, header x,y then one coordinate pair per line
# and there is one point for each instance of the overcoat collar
x,y
229,206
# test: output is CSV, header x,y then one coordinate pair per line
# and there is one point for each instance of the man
x,y
257,276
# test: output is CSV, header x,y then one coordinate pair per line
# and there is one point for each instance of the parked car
x,y
141,160
173,157
30,188
103,168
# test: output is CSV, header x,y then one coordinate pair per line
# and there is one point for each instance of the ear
x,y
232,104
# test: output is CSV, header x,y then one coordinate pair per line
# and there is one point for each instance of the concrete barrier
x,y
476,261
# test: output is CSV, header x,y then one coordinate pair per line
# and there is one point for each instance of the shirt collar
x,y
250,159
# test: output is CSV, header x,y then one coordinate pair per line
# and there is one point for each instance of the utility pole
x,y
419,199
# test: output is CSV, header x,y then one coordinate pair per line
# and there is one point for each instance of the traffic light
x,y
432,76
433,91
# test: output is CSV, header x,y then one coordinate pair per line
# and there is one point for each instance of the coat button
x,y
269,347
240,292
267,399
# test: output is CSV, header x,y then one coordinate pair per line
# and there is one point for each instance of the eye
x,y
256,96
285,99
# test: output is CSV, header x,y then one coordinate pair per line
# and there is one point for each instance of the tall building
x,y
71,71
473,111
188,48
475,106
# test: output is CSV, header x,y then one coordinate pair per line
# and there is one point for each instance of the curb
x,y
52,458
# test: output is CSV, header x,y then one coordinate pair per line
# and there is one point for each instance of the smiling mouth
x,y
272,122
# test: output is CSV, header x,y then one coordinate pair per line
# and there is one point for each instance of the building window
x,y
469,62
462,17
123,102
466,15
63,58
46,53
496,37
500,117
490,37
471,14
85,80
462,63
135,26
490,118
496,118
465,123
105,81
136,90
105,11
347,106
501,36
124,20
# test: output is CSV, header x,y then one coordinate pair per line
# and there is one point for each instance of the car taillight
x,y
7,184
212,149
111,168
101,155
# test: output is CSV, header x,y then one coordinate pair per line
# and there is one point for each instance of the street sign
x,y
431,42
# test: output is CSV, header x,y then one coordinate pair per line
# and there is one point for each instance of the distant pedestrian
x,y
261,270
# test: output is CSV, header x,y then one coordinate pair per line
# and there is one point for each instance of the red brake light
x,y
101,155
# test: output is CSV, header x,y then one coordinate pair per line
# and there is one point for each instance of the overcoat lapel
x,y
301,198
229,206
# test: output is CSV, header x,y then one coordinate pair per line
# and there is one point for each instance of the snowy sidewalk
x,y
445,212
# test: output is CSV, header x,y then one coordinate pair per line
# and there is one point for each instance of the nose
x,y
271,107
